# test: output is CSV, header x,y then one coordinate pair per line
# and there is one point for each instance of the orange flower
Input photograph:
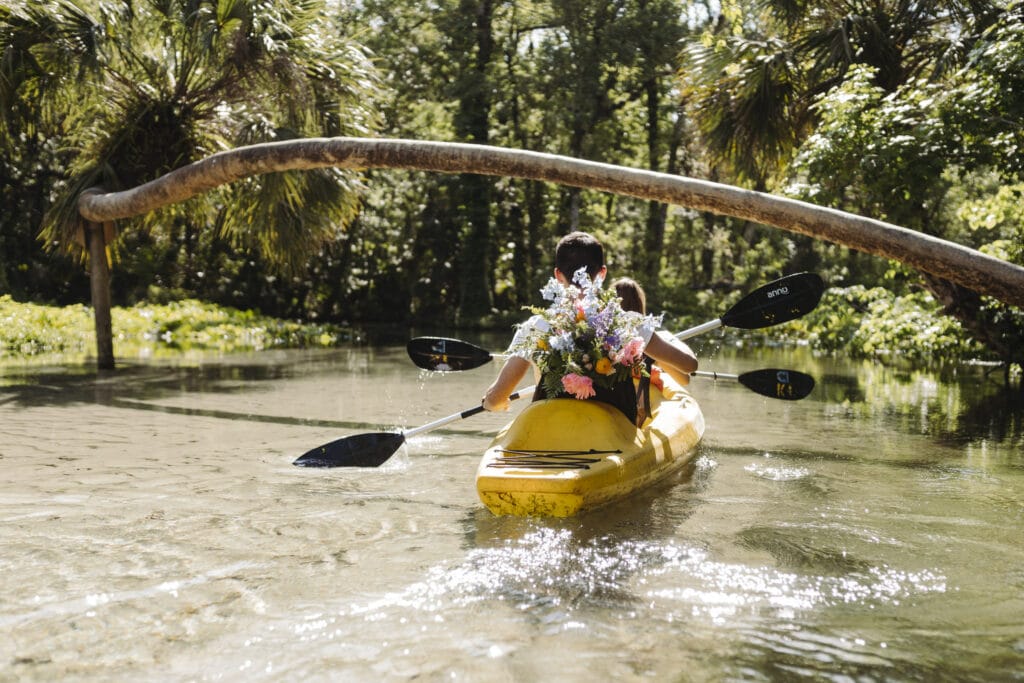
x,y
604,366
542,344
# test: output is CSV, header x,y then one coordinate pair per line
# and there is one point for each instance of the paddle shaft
x,y
714,375
685,334
528,391
522,393
700,329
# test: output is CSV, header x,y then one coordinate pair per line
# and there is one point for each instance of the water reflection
x,y
146,386
954,406
581,562
154,527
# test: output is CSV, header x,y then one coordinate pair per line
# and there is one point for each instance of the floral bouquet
x,y
584,338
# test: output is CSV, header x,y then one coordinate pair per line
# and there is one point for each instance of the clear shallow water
x,y
152,526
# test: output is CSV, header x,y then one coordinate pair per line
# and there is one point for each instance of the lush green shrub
x,y
32,330
876,323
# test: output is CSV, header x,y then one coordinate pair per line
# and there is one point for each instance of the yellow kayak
x,y
560,457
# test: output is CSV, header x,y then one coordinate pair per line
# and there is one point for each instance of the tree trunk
x,y
472,123
653,242
475,284
966,267
99,281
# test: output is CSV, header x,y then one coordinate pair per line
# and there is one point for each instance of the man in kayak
x,y
576,252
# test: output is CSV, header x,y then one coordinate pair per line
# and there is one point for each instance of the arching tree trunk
x,y
961,265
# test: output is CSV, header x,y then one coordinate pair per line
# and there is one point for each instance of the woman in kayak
x,y
617,339
633,298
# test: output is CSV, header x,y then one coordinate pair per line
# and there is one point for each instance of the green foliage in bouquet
x,y
584,338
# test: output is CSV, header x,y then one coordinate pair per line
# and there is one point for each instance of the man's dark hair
x,y
579,250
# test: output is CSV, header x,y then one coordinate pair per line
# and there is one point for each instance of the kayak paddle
x,y
375,448
777,302
446,354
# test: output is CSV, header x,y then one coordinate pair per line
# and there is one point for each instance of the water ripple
x,y
550,577
87,605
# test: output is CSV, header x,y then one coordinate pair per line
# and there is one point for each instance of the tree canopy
x,y
903,111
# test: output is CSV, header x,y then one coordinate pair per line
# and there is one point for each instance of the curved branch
x,y
962,265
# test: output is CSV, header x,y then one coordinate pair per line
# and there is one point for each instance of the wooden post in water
x,y
99,280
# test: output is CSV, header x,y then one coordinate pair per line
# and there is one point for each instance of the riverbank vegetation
x,y
58,333
908,112
858,322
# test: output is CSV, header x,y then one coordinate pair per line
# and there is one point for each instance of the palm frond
x,y
288,216
171,81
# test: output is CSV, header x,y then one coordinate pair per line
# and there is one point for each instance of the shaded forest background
x,y
908,112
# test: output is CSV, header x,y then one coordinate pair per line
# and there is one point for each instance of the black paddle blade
x,y
777,302
789,385
359,450
444,354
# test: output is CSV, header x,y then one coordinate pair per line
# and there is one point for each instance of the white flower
x,y
553,291
648,324
563,341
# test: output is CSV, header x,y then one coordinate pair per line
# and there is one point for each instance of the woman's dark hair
x,y
632,295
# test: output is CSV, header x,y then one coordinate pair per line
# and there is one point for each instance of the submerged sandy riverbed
x,y
153,527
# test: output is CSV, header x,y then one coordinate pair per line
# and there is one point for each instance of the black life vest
x,y
632,400
622,395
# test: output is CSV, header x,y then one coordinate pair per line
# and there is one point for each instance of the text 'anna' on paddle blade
x,y
359,450
777,302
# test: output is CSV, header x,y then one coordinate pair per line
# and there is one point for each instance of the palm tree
x,y
755,93
752,89
131,90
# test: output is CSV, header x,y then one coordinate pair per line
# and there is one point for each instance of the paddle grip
x,y
471,412
512,397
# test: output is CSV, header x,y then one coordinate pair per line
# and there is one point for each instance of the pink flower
x,y
632,351
579,386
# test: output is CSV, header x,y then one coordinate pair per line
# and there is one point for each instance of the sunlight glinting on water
x,y
724,589
547,570
777,472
